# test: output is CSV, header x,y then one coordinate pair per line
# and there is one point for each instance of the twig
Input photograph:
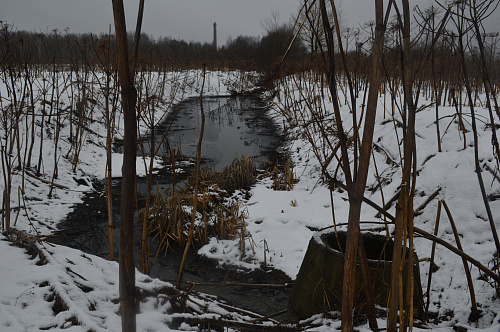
x,y
236,284
197,181
445,244
223,324
474,314
386,206
433,251
427,201
60,186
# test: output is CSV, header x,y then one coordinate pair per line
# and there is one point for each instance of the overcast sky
x,y
190,20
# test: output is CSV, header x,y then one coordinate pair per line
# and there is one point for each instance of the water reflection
x,y
233,125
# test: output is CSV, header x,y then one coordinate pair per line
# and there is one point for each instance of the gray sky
x,y
190,20
179,19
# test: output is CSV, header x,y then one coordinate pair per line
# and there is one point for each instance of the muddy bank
x,y
86,229
233,125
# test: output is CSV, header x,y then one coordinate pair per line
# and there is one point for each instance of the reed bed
x,y
217,215
240,174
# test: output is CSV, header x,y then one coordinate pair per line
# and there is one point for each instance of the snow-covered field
x,y
280,221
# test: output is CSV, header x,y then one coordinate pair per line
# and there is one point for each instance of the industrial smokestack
x,y
215,37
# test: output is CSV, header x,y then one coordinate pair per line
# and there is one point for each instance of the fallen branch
x,y
433,238
59,286
26,240
236,284
419,210
60,186
190,300
460,253
223,324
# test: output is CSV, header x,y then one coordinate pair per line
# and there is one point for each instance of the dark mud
x,y
233,125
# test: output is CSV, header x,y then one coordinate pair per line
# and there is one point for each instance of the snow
x,y
284,219
280,223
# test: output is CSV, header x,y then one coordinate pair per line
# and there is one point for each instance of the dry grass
x,y
240,174
283,177
217,215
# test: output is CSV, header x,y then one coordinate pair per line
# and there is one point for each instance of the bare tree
x,y
312,32
478,10
103,54
129,98
357,176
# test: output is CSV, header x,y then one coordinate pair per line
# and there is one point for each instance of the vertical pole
x,y
129,98
215,37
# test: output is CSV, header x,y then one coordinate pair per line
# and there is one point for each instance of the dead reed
x,y
283,176
240,174
216,214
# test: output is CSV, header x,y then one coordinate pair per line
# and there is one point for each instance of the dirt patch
x,y
261,291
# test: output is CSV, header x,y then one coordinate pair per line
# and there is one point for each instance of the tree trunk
x,y
129,98
361,175
404,209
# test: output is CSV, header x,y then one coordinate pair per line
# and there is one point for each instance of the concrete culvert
x,y
318,287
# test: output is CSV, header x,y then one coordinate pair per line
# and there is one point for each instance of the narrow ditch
x,y
234,125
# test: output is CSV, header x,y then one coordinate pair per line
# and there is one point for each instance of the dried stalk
x,y
197,180
460,253
474,311
433,252
478,171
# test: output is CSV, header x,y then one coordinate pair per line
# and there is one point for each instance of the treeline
x,y
65,48
252,53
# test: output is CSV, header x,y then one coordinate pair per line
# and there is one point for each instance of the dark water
x,y
233,125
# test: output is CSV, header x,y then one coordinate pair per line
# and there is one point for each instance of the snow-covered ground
x,y
278,221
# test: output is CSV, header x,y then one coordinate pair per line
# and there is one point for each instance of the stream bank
x,y
234,125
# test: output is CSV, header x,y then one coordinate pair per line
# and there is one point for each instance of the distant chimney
x,y
215,37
